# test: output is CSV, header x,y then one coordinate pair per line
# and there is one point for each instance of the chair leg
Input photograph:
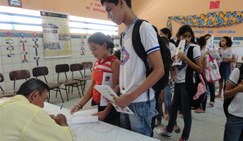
x,y
60,94
66,93
48,98
78,90
2,89
84,86
72,90
56,93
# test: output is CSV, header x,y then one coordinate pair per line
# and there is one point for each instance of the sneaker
x,y
181,139
162,131
199,110
211,104
177,129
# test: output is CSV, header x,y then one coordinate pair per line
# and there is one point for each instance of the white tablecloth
x,y
98,131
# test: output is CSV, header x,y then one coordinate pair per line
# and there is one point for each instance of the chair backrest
x,y
40,71
19,74
62,68
1,77
87,65
76,67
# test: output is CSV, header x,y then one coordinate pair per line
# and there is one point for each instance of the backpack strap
x,y
189,71
139,49
138,46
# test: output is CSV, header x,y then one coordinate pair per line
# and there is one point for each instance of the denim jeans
x,y
233,128
168,96
181,98
141,120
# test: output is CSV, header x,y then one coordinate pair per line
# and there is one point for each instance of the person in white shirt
x,y
234,89
133,83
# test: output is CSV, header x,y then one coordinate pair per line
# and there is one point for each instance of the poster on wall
x,y
56,34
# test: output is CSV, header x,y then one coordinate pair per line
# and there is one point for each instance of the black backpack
x,y
140,51
227,101
192,78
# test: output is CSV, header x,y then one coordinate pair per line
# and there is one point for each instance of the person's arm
x,y
85,99
195,66
232,88
158,71
42,127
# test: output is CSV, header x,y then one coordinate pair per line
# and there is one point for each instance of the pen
x,y
60,109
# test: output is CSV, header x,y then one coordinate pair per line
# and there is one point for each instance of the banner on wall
x,y
56,34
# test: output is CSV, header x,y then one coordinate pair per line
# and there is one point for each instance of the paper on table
x,y
106,80
180,48
107,92
84,116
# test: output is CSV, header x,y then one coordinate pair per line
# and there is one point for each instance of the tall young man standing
x,y
133,84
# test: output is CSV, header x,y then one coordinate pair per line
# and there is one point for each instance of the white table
x,y
99,131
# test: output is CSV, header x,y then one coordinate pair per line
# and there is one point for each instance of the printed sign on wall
x,y
56,34
15,3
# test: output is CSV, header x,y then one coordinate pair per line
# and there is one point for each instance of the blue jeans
x,y
168,96
141,120
233,128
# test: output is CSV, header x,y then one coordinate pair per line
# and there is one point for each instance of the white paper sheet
x,y
215,55
180,48
84,116
108,93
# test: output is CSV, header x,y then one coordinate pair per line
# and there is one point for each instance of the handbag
x,y
211,72
201,88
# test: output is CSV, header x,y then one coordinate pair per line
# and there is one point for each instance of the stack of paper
x,y
84,116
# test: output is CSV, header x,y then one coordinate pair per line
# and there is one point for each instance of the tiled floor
x,y
208,126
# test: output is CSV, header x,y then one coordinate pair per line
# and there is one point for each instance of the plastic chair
x,y
18,75
63,69
43,71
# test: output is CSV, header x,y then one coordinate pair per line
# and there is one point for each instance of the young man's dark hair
x,y
129,3
228,41
31,85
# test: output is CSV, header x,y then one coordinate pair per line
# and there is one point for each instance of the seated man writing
x,y
22,117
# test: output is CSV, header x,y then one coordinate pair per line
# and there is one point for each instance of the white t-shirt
x,y
181,70
132,68
227,53
236,105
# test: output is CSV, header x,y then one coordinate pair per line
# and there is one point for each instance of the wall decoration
x,y
15,3
10,44
35,46
56,34
82,41
24,51
209,20
214,4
